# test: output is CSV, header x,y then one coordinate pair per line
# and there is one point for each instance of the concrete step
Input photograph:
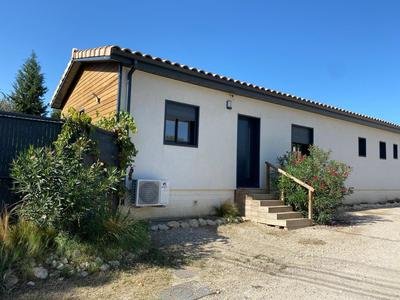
x,y
253,191
285,215
262,196
271,203
288,224
276,209
298,223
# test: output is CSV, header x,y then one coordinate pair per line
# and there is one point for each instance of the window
x,y
395,151
302,138
362,147
382,150
181,124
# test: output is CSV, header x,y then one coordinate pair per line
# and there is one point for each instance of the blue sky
x,y
344,53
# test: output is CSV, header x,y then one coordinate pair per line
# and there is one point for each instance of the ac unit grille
x,y
148,192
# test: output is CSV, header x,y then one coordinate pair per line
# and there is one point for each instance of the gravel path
x,y
356,259
359,258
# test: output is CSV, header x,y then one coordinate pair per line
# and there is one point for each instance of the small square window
x,y
382,150
181,124
395,151
302,139
362,147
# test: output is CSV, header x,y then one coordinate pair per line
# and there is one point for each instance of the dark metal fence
x,y
19,131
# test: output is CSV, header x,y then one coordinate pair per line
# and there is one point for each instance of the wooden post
x,y
310,200
268,178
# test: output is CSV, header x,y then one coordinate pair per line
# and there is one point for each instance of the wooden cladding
x,y
95,90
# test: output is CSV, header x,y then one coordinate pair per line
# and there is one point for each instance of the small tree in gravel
x,y
327,176
29,88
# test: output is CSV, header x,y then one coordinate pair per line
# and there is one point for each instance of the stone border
x,y
194,223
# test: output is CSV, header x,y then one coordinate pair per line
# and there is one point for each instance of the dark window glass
x,y
382,150
362,147
169,130
302,139
181,124
395,151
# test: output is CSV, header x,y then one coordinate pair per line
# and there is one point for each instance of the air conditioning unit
x,y
150,192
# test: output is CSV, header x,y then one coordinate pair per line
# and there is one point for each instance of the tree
x,y
29,88
5,102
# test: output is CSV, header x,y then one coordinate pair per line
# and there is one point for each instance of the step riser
x,y
290,224
271,203
263,196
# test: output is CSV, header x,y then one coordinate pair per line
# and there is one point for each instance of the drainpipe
x,y
119,88
128,108
130,76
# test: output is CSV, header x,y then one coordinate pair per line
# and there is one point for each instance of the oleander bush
x,y
66,202
325,175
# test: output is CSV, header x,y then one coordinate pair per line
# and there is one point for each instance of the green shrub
x,y
26,239
126,232
326,176
121,124
227,210
59,190
7,260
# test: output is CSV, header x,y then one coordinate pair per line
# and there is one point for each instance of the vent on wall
x,y
150,192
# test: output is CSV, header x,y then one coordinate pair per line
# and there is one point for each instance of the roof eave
x,y
184,73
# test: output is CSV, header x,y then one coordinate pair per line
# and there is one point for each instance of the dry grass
x,y
141,283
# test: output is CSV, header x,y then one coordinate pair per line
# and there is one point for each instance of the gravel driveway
x,y
359,258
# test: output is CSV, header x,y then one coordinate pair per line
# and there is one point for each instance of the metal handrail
x,y
310,189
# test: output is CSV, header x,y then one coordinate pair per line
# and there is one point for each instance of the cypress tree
x,y
29,88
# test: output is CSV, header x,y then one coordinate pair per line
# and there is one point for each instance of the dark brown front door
x,y
248,152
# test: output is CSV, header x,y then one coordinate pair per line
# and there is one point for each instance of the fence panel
x,y
19,131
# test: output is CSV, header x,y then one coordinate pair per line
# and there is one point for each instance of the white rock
x,y
54,263
114,263
154,228
202,222
194,223
219,222
30,283
104,267
40,272
64,260
184,224
210,222
60,266
61,278
173,224
163,227
10,280
84,274
98,260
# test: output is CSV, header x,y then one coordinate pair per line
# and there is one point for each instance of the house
x,y
209,135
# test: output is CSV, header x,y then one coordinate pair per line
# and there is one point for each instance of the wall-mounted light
x,y
228,104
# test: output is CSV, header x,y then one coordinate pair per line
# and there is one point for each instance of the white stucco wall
x,y
200,178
